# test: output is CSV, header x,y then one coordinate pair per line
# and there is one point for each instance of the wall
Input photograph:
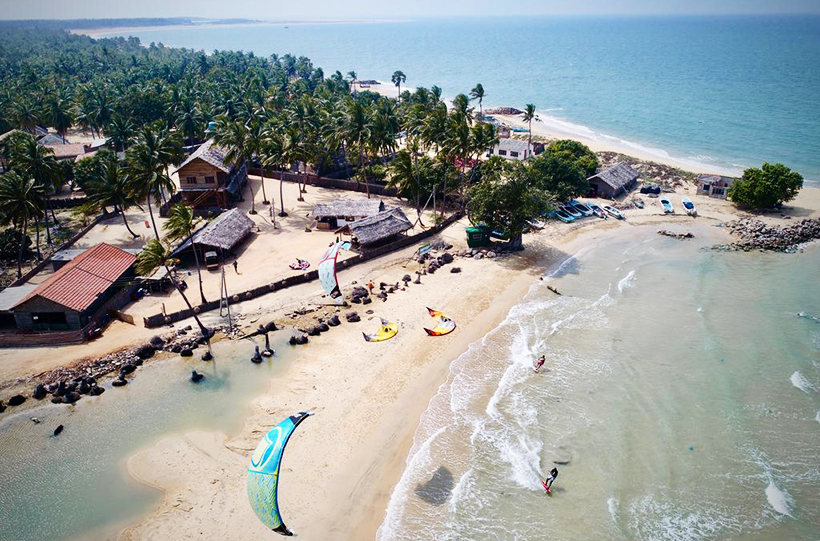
x,y
199,169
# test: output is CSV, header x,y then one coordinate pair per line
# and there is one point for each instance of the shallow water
x,y
76,483
668,394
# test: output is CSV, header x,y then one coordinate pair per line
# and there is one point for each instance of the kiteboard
x,y
444,325
546,487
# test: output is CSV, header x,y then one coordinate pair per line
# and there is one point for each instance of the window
x,y
209,180
513,153
190,180
717,191
502,152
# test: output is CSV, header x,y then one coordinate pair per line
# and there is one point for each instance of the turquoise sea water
x,y
725,91
680,401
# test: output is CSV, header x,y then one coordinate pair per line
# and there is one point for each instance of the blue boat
x,y
581,207
561,215
569,209
666,204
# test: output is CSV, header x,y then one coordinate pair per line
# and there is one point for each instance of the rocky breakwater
x,y
754,234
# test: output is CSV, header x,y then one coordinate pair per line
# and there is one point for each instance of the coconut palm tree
x,y
232,135
155,255
477,93
112,188
120,131
148,158
272,154
255,139
25,114
181,225
189,119
21,200
398,78
356,130
60,115
529,115
351,75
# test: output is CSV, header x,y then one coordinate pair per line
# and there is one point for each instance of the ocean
x,y
723,92
680,400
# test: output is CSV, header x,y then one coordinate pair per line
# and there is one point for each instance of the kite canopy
x,y
445,324
387,331
300,264
327,271
263,473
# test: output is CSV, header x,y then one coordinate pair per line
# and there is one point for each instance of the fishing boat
x,y
571,211
581,207
561,215
615,212
688,206
666,204
638,203
598,211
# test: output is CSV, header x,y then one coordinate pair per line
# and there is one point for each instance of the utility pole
x,y
224,305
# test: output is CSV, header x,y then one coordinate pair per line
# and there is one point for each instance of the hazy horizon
x,y
320,10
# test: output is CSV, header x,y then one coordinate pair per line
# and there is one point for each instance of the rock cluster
x,y
503,111
681,236
755,235
664,175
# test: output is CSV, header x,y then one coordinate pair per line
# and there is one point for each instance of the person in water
x,y
540,362
551,479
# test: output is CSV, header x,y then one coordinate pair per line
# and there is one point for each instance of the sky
x,y
385,9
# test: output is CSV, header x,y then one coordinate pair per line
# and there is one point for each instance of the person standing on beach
x,y
551,479
236,265
539,363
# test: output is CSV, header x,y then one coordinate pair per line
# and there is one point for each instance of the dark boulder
x,y
176,348
406,278
57,400
39,392
58,430
368,300
60,390
187,352
207,356
157,341
292,341
352,317
128,368
84,388
71,398
16,400
302,340
270,327
119,382
145,352
445,258
71,387
96,390
313,331
455,270
137,362
333,321
323,327
196,376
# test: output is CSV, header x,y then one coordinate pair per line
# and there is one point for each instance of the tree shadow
x,y
438,488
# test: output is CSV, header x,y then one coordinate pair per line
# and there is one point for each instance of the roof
x,y
381,226
70,254
78,284
617,176
225,232
210,153
715,178
506,143
69,150
52,139
10,296
348,206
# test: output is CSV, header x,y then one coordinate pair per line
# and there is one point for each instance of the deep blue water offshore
x,y
726,91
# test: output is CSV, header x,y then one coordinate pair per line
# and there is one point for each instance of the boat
x,y
689,207
598,211
581,207
638,202
571,211
615,212
666,204
561,215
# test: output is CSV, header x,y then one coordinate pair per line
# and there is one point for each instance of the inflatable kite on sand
x,y
300,264
327,271
263,473
388,331
445,324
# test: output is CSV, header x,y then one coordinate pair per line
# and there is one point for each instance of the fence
x,y
162,319
34,339
326,182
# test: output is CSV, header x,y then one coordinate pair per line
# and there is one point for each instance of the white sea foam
x,y
612,506
627,281
800,381
780,500
817,417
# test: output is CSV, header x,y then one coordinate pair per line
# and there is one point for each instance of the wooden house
x,y
206,182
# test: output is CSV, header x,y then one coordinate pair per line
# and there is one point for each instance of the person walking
x,y
236,265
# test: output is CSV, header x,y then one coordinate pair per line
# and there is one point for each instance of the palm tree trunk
x,y
122,211
253,199
203,329
362,171
151,212
264,195
53,216
48,230
20,250
198,272
282,213
37,243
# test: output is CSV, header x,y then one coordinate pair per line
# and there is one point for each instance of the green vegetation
x,y
767,187
584,158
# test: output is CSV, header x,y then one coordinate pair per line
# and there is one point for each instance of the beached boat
x,y
571,211
688,206
581,207
598,211
615,212
561,215
666,204
638,203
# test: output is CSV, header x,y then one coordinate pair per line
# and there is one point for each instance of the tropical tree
x,y
356,131
155,255
477,93
529,115
576,151
352,77
120,131
767,187
398,78
111,187
272,154
180,225
557,174
21,200
60,115
26,115
233,136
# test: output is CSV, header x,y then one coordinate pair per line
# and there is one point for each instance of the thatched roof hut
x,y
612,181
345,210
222,234
378,230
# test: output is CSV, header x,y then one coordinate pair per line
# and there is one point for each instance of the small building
x,y
612,181
8,298
515,149
714,185
206,182
378,230
220,235
345,210
61,258
71,297
67,151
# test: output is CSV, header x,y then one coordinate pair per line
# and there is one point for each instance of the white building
x,y
514,149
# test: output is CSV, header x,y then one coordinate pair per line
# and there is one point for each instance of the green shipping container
x,y
477,237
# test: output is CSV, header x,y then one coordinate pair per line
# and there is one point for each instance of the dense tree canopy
x,y
767,187
584,158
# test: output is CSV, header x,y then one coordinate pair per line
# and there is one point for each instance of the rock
x,y
186,352
145,352
302,340
680,236
84,388
71,398
271,326
334,321
119,382
368,300
39,392
128,368
96,390
176,348
455,270
353,317
57,400
137,362
313,331
196,376
16,400
157,341
406,278
369,312
58,430
491,255
207,356
446,258
324,327
292,341
71,387
2,407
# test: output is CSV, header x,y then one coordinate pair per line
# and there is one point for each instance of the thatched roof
x,y
379,227
617,176
348,206
210,153
225,232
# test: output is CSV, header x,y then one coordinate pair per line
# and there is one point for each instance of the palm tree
x,y
233,136
398,78
529,115
60,115
21,200
180,225
113,187
120,131
25,115
155,255
254,140
272,154
477,93
148,160
353,77
356,129
189,120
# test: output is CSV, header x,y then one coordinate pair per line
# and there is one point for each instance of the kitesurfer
x,y
551,479
540,362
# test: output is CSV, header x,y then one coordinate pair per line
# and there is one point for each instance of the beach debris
x,y
553,289
58,430
680,236
257,356
455,270
35,420
267,352
196,376
16,400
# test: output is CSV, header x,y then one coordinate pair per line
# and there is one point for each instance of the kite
x,y
263,473
387,331
300,264
327,271
445,324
